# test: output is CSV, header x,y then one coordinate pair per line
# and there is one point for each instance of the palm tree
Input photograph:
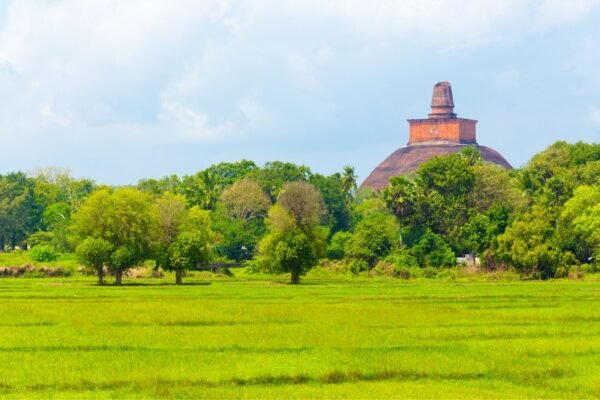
x,y
349,183
400,198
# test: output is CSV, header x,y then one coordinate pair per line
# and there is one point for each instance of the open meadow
x,y
253,337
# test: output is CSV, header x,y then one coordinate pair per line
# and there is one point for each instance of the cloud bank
x,y
119,90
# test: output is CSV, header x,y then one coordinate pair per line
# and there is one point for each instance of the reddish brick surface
x,y
456,130
440,134
406,160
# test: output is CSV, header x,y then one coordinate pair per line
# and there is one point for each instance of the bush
x,y
590,268
402,258
432,251
43,253
448,274
561,272
429,272
356,265
335,250
408,272
373,238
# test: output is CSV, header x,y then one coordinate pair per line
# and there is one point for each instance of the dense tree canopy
x,y
542,220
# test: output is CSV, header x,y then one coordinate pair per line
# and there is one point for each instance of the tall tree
x,y
121,217
400,196
338,213
245,200
348,181
275,174
193,245
296,240
580,223
20,215
95,253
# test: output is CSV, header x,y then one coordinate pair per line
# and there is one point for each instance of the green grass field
x,y
256,338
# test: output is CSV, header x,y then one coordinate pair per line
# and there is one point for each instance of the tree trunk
x,y
100,275
118,277
178,277
295,276
401,242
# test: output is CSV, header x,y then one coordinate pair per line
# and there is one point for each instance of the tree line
x,y
542,220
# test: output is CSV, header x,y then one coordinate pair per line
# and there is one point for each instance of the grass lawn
x,y
252,337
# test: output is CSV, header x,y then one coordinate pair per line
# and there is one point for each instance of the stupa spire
x,y
442,103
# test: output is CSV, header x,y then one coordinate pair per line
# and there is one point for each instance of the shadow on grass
x,y
150,284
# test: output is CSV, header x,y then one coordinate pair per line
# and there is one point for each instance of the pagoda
x,y
440,134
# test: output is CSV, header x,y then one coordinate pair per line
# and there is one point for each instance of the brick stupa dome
x,y
440,134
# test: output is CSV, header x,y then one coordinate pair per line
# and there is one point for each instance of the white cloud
x,y
195,125
111,61
209,71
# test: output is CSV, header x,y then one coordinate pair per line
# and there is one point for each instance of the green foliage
x,y
121,217
275,174
94,253
580,222
539,220
291,251
204,188
336,196
190,250
40,237
295,241
357,265
238,238
432,251
335,249
444,185
43,253
20,215
367,207
450,175
402,258
529,245
191,245
348,183
400,196
477,234
495,187
169,213
374,237
122,259
157,187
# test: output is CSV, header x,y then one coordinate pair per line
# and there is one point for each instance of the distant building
x,y
440,134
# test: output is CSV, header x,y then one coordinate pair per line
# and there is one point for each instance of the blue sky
x,y
121,90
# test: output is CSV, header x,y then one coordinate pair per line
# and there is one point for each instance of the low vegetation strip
x,y
247,337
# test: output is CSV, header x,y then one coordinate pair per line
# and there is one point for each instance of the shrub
x,y
43,253
429,272
590,268
335,250
374,237
432,251
408,272
402,258
356,265
448,274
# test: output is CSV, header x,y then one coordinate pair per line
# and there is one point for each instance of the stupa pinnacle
x,y
442,103
440,134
